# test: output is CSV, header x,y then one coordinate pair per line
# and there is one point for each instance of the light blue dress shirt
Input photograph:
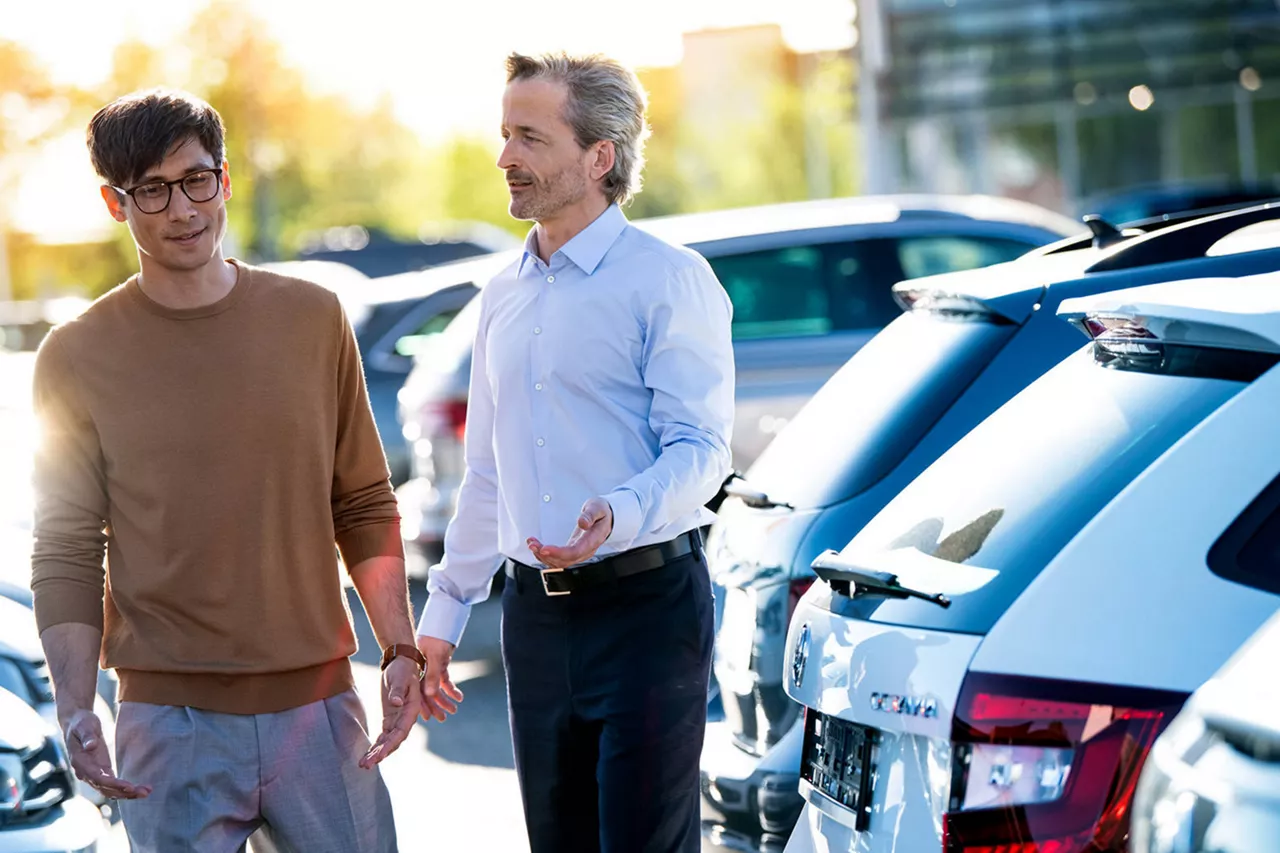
x,y
608,372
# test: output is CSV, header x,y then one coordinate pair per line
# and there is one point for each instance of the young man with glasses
x,y
207,424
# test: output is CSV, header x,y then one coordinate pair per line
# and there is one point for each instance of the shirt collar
x,y
589,246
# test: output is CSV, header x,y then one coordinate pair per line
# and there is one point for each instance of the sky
x,y
441,63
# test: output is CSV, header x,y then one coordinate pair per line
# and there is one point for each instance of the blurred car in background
x,y
40,811
967,343
810,284
1147,202
1212,781
394,318
987,663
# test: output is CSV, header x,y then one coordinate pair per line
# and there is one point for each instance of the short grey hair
x,y
606,102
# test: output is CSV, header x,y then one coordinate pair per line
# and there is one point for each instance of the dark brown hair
x,y
134,133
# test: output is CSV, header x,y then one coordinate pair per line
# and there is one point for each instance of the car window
x,y
933,255
779,293
1006,498
413,343
870,415
1248,551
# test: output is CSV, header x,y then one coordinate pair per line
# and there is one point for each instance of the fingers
x,y
396,728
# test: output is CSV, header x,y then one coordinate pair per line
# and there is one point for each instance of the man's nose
x,y
506,158
181,208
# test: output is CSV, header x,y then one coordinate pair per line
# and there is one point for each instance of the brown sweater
x,y
218,453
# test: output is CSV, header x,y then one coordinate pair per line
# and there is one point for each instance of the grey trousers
x,y
216,779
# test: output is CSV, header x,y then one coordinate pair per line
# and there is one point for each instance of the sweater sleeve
x,y
366,520
69,479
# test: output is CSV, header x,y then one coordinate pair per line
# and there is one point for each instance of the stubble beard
x,y
546,198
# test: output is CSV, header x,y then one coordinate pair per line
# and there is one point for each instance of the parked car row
x,y
967,343
810,284
973,581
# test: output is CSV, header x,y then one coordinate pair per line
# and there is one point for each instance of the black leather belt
x,y
608,570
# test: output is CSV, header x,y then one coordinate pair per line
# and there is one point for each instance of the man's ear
x,y
226,181
115,206
603,159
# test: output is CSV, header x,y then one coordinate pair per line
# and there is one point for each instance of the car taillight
x,y
799,586
1043,766
448,417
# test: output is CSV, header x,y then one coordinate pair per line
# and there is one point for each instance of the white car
x,y
39,809
1212,783
987,663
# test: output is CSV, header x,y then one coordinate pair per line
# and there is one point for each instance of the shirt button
x,y
541,442
537,330
546,499
551,279
538,387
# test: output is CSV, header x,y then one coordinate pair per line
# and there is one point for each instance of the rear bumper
x,y
73,827
749,802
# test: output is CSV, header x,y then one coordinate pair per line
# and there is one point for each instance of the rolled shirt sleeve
x,y
71,509
689,368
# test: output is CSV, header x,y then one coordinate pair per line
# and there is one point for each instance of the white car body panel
x,y
1147,551
847,662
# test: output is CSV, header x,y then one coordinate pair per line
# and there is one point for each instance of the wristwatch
x,y
404,650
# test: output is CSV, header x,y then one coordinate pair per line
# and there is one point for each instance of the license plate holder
x,y
839,762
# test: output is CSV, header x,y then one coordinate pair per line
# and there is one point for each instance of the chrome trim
x,y
828,806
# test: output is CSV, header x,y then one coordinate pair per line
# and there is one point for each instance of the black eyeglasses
x,y
154,196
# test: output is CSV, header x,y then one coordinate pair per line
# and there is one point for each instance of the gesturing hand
x,y
401,704
594,526
91,761
439,695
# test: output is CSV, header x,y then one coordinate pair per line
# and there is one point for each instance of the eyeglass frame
x,y
168,185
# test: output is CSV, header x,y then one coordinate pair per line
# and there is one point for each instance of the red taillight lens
x,y
448,417
798,588
1046,766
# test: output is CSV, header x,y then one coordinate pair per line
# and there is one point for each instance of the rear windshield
x,y
1012,493
870,415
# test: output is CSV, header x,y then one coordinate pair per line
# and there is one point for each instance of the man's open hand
x,y
439,695
91,761
401,705
594,526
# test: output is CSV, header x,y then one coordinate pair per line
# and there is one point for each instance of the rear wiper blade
x,y
849,580
739,488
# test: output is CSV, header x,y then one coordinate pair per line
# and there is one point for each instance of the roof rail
x,y
1185,241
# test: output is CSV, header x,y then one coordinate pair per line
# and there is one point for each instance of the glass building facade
x,y
1064,101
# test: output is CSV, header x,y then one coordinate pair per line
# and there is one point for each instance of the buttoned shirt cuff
x,y
627,518
444,618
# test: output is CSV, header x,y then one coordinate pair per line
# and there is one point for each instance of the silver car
x,y
1212,782
810,284
39,809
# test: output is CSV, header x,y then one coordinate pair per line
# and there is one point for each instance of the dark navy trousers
x,y
608,704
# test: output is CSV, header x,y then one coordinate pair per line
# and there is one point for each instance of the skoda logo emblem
x,y
800,655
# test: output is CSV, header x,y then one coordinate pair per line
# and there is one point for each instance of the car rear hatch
x,y
858,427
906,748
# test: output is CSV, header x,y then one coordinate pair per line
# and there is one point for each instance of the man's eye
x,y
199,181
150,191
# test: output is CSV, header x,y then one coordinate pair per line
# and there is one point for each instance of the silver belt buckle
x,y
546,588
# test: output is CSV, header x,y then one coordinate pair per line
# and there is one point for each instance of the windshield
x,y
870,415
1013,492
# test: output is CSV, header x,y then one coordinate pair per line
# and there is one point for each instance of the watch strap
x,y
403,650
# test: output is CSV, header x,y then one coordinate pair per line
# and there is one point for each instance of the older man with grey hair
x,y
598,426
